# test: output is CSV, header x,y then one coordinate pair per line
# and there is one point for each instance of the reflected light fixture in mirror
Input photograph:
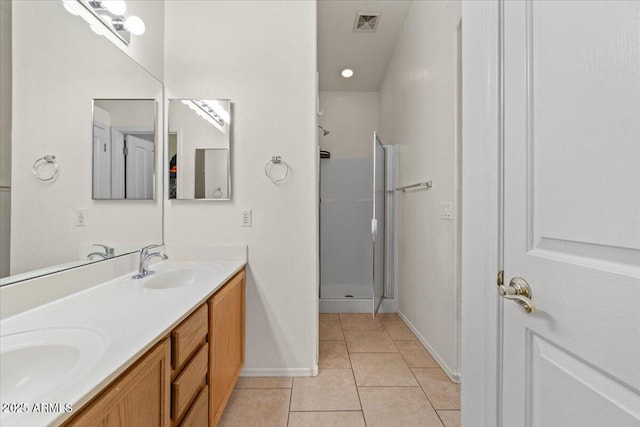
x,y
110,15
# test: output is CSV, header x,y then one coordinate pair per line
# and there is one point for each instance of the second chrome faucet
x,y
145,257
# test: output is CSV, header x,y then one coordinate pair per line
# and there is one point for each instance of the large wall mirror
x,y
198,147
64,80
124,147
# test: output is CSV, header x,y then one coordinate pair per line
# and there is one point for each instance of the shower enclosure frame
x,y
378,228
389,302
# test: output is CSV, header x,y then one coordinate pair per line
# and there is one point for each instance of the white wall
x,y
5,136
59,62
351,118
262,56
417,112
148,49
128,113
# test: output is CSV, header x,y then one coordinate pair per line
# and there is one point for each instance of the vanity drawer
x,y
192,378
187,337
198,414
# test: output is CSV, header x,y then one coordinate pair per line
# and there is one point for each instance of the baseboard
x,y
279,372
452,374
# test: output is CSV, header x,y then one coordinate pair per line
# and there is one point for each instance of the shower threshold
x,y
355,305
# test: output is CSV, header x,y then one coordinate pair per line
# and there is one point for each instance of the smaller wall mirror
x,y
199,145
124,147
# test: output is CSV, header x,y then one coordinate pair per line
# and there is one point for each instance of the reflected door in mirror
x,y
124,135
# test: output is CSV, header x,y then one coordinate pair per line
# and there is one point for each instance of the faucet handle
x,y
145,250
109,251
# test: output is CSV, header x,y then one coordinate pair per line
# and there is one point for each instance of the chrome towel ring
x,y
270,171
47,159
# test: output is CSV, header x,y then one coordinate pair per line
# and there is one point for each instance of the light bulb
x,y
97,28
117,7
346,73
71,6
134,25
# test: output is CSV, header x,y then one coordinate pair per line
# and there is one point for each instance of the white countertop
x,y
129,319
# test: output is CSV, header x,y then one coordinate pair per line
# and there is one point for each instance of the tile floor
x,y
372,373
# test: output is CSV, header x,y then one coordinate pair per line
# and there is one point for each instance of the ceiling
x,y
367,54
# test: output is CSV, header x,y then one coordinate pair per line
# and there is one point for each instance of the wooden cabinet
x,y
188,336
226,343
139,397
186,379
198,415
190,360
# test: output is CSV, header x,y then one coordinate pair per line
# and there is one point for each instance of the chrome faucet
x,y
108,252
145,257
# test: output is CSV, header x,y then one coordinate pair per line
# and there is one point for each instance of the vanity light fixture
x,y
110,15
133,24
347,73
72,6
116,7
204,110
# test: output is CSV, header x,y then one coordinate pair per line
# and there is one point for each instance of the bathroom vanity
x,y
169,385
165,350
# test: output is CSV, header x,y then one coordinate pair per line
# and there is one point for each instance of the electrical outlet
x,y
245,217
446,210
81,217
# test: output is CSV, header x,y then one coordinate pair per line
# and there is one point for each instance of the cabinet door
x,y
226,332
139,397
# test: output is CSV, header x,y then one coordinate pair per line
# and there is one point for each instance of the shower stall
x,y
357,220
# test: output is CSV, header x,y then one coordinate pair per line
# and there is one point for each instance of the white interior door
x,y
101,162
572,213
139,168
118,165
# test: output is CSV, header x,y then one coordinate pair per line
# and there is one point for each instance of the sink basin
x,y
176,278
35,362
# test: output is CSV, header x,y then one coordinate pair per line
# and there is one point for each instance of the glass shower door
x,y
378,222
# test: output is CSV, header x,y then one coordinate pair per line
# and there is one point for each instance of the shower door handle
x,y
374,227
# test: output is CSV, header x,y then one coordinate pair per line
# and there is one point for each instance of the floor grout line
x,y
355,381
427,396
290,402
328,410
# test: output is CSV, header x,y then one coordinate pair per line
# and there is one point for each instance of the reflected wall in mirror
x,y
199,147
59,67
124,141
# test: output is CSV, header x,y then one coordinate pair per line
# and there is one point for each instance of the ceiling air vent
x,y
366,22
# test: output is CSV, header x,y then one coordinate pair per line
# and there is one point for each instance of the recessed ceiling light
x,y
346,73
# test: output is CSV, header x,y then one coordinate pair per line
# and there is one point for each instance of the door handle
x,y
519,291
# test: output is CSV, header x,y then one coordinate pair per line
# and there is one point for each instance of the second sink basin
x,y
36,361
